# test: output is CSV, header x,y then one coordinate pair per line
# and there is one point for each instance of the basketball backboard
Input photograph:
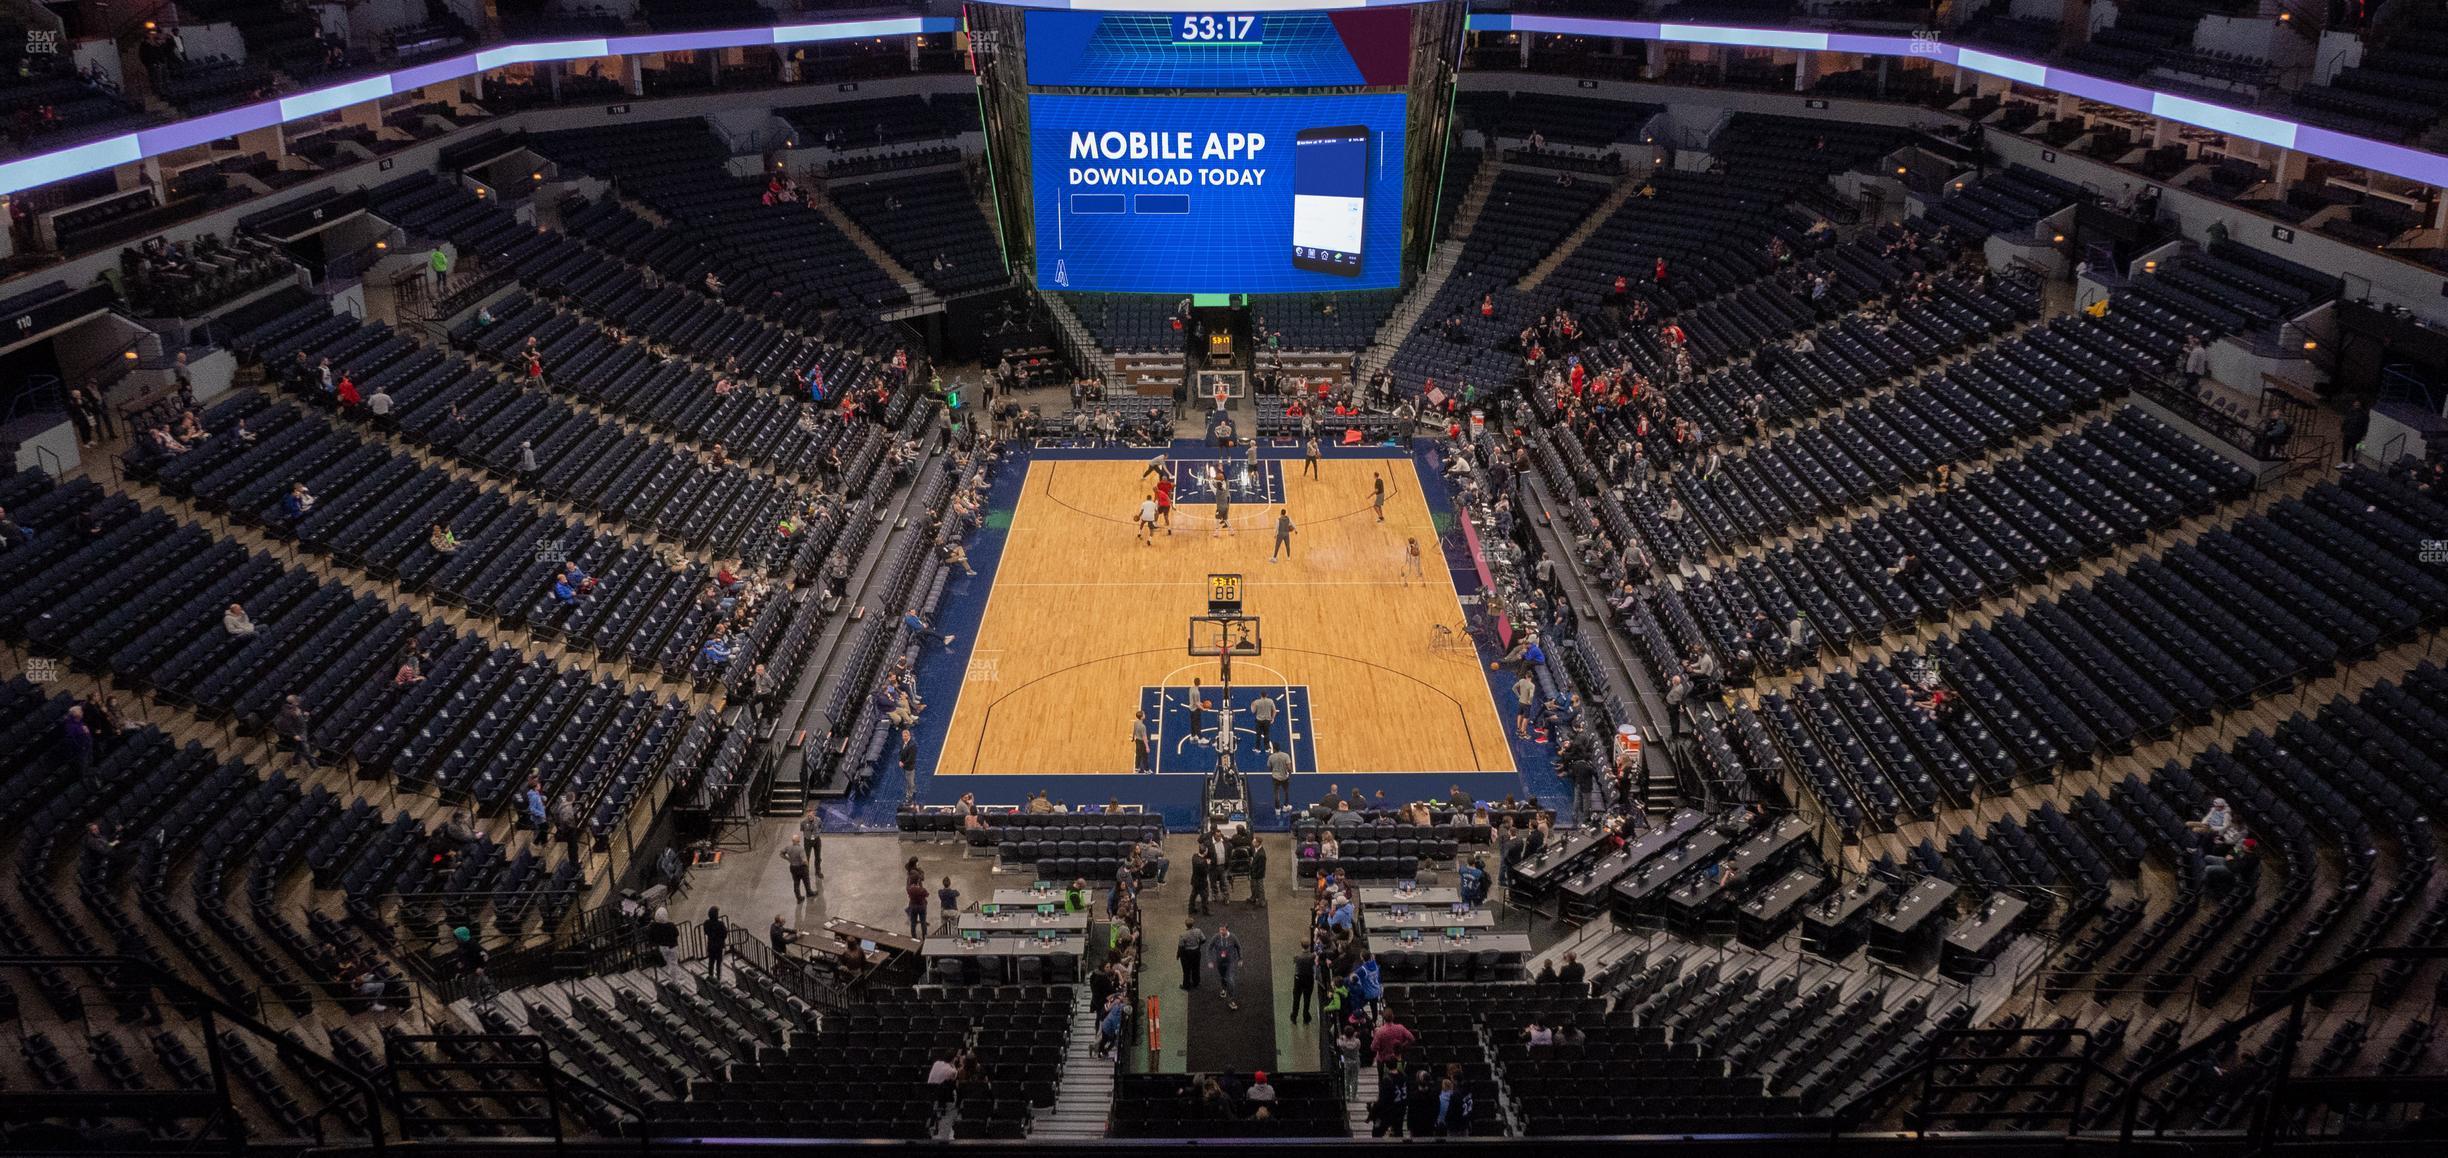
x,y
1211,634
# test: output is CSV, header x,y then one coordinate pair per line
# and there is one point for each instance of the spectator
x,y
79,739
919,628
235,621
290,725
1389,1043
1225,950
1190,951
1109,1025
916,909
717,935
665,937
297,504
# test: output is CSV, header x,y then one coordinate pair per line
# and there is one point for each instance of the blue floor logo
x,y
1190,739
1195,480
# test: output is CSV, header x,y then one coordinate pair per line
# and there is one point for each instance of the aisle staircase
x,y
920,296
1082,345
1441,264
1606,209
1083,1100
1364,1093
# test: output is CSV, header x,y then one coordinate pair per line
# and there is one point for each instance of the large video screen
x,y
1369,47
1217,194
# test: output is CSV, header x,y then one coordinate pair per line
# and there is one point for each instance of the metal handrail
x,y
182,992
2129,1101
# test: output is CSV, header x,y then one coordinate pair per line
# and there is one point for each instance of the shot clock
x,y
1213,28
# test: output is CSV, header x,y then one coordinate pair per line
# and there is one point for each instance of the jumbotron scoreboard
x,y
1215,149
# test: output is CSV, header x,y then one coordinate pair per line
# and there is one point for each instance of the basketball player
x,y
1309,458
1283,534
1159,467
1411,562
1147,520
1377,499
1164,503
1223,507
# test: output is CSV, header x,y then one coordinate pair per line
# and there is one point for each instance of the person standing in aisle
x,y
796,857
1226,949
1190,951
1304,987
811,840
717,934
1202,882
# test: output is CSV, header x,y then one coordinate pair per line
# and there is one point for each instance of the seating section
x,y
1719,233
111,592
932,226
44,104
2007,201
786,263
730,1065
2138,40
1307,1105
192,279
1340,321
178,831
869,123
1064,847
276,36
214,83
1586,122
1676,1039
2394,93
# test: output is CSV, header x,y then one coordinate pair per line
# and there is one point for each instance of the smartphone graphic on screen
x,y
1329,198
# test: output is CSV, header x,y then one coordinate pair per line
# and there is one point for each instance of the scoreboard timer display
x,y
1223,594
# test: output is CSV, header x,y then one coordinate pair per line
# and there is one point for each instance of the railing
x,y
2293,1003
211,1012
793,974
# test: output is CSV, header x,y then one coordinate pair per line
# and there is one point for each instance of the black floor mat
x,y
1227,1039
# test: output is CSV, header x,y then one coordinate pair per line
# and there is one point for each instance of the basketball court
x,y
1084,624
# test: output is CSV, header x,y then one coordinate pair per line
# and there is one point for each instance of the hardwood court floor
x,y
1082,617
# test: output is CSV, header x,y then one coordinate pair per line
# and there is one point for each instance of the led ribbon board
x,y
93,156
